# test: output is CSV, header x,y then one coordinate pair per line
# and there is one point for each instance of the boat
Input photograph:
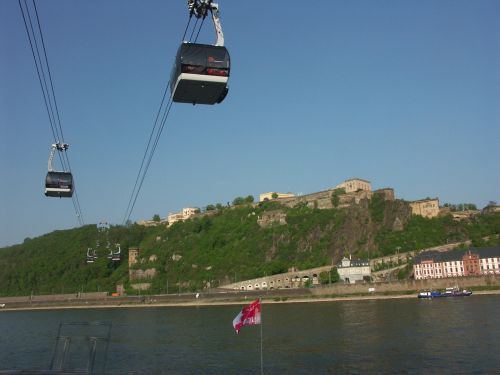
x,y
429,294
456,292
448,292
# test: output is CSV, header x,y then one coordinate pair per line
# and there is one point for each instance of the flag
x,y
250,315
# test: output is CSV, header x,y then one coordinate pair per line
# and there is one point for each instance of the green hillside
x,y
229,244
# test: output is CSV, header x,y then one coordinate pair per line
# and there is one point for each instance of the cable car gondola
x,y
58,183
201,71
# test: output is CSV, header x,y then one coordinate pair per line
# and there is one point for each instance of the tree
x,y
249,199
156,217
274,195
238,201
210,207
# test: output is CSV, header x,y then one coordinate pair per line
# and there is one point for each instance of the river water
x,y
409,336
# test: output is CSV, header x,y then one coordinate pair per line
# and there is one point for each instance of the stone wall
x,y
142,274
399,286
323,199
140,286
269,218
404,257
294,279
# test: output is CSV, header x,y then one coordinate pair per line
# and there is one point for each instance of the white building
x,y
351,271
185,214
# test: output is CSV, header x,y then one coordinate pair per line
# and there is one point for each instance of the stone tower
x,y
133,254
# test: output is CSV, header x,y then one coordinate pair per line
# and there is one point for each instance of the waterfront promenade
x,y
384,290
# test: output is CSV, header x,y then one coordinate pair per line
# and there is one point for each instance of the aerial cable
x,y
145,153
189,21
165,116
194,28
143,169
54,119
50,75
201,25
76,201
38,71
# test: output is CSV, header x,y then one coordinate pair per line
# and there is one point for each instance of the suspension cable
x,y
201,25
194,28
54,118
76,201
151,148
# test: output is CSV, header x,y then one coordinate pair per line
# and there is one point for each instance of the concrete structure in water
x,y
457,263
352,271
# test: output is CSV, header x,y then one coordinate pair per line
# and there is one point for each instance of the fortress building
x,y
269,196
425,207
355,184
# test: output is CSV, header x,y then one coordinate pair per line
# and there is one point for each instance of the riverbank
x,y
155,301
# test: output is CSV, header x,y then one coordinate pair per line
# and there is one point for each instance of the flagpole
x,y
261,356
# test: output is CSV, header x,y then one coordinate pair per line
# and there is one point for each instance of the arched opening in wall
x,y
249,287
242,288
305,279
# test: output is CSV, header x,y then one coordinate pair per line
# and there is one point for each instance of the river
x,y
410,336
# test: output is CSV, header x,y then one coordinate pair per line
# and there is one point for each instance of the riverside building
x,y
457,263
351,271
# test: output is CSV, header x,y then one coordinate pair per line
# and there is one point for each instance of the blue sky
x,y
404,94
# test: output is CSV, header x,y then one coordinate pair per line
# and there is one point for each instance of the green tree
x,y
335,196
156,217
238,201
249,199
210,207
274,195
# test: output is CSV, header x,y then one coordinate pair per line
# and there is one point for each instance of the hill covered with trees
x,y
230,243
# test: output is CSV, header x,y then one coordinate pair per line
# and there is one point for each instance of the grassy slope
x,y
227,245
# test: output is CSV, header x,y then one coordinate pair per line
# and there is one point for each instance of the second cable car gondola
x,y
201,71
58,183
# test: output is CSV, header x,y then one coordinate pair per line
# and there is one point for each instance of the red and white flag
x,y
250,315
